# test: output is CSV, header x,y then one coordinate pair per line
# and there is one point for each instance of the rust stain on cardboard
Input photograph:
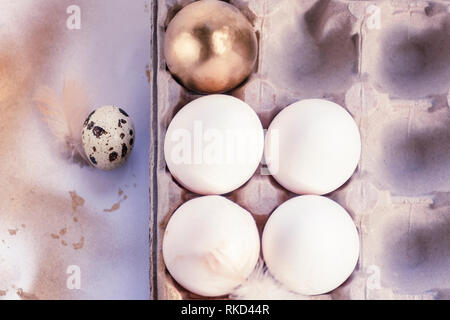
x,y
63,231
26,295
78,245
114,207
77,201
148,73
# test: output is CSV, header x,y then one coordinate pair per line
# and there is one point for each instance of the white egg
x,y
211,245
310,244
214,144
312,147
108,137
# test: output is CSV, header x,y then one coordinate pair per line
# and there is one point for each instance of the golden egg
x,y
210,47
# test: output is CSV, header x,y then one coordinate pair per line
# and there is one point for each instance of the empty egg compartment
x,y
407,48
408,149
352,53
406,252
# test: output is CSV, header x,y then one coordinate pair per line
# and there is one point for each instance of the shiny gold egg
x,y
210,47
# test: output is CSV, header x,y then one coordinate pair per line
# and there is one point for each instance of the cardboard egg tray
x,y
388,64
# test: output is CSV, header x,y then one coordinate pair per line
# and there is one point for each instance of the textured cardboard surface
x,y
388,64
54,212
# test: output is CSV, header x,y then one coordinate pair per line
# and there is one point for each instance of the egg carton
x,y
388,64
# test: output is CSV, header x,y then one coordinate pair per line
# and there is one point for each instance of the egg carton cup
x,y
388,64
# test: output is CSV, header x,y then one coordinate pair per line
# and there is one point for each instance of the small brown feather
x,y
65,115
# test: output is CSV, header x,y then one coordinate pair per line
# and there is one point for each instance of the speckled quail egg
x,y
108,137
